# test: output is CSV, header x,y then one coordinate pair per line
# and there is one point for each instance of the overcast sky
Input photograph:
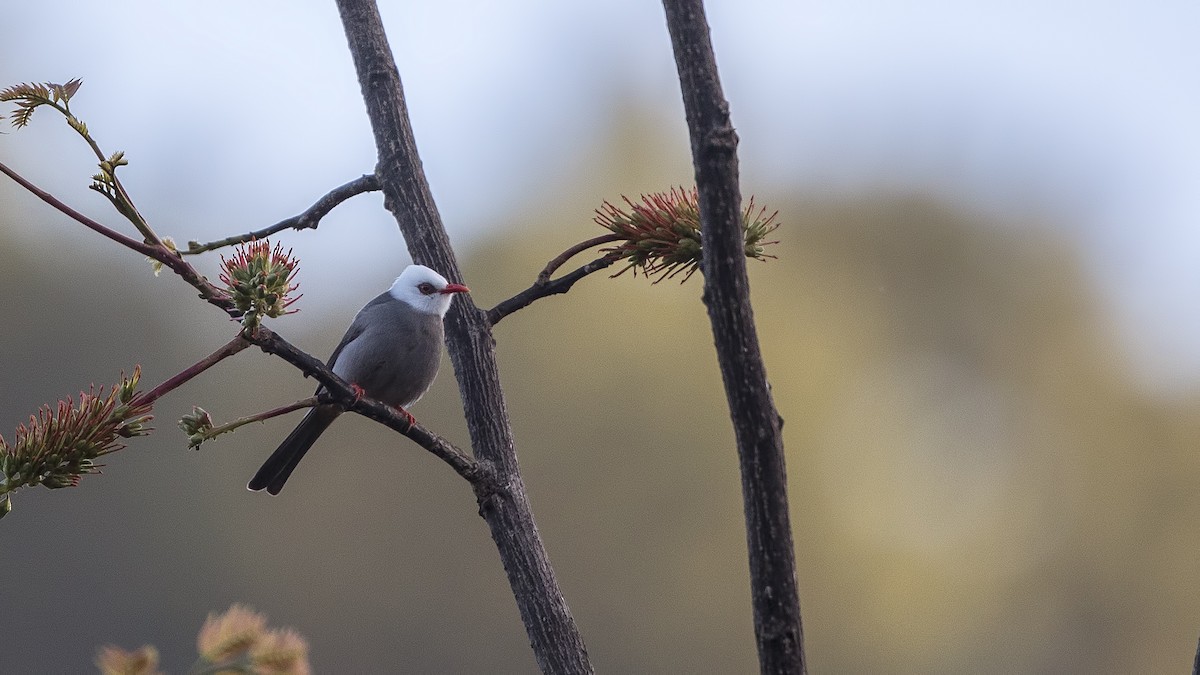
x,y
1087,110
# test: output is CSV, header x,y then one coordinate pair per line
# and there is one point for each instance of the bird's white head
x,y
425,290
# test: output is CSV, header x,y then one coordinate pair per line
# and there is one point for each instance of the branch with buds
x,y
259,279
199,427
658,236
60,445
31,96
661,235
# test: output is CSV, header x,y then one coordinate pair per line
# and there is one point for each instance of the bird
x,y
390,353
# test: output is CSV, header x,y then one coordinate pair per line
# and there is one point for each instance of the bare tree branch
x,y
309,219
544,287
774,596
212,432
230,348
557,645
560,260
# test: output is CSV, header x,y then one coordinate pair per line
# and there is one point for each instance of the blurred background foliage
x,y
977,483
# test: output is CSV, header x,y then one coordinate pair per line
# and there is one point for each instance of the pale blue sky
x,y
1087,110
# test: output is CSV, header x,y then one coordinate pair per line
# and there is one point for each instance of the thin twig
x,y
213,432
562,258
308,219
123,203
541,289
230,348
543,286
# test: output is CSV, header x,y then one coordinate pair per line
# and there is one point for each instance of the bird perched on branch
x,y
391,352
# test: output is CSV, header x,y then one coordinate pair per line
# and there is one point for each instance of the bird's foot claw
x,y
358,392
412,421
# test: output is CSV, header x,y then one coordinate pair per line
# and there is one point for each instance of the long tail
x,y
275,471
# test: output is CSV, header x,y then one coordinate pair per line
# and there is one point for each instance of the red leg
x,y
359,393
411,420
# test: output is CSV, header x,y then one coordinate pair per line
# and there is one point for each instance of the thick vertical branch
x,y
557,644
727,295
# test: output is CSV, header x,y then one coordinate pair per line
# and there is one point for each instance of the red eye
x,y
426,288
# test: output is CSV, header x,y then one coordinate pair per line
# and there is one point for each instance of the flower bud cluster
x,y
259,280
661,234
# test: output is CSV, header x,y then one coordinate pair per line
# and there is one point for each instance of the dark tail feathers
x,y
275,471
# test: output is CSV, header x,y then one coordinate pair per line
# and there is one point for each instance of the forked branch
x,y
544,286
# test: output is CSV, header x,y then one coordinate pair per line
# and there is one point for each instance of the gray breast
x,y
391,351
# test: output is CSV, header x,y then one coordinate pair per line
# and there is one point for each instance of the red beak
x,y
454,288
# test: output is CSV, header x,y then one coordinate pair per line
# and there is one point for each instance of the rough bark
x,y
553,635
757,425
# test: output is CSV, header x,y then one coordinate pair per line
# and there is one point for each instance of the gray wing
x,y
357,326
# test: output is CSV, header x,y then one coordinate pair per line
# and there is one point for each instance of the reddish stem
x,y
229,349
566,255
160,253
141,247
